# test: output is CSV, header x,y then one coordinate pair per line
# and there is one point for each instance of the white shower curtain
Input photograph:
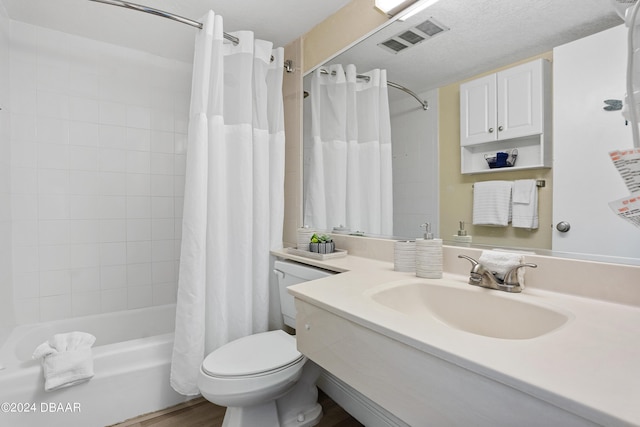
x,y
350,178
234,196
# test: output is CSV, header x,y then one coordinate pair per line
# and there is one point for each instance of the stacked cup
x,y
429,258
304,237
404,255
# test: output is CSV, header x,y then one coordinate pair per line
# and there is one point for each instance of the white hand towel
x,y
66,359
500,263
525,204
492,203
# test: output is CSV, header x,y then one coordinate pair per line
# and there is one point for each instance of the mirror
x,y
482,36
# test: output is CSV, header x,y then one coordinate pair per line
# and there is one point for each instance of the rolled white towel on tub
x,y
66,359
67,368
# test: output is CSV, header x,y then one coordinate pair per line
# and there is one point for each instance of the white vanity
x,y
444,353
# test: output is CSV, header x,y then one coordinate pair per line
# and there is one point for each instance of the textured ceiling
x,y
484,35
279,21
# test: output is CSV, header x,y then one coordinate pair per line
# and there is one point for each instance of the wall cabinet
x,y
507,110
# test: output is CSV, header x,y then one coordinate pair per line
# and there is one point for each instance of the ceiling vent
x,y
413,36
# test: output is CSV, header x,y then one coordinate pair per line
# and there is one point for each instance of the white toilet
x,y
262,379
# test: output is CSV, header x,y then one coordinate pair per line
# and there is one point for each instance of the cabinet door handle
x,y
490,130
500,128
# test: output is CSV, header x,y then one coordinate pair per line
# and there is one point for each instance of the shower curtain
x,y
350,178
234,196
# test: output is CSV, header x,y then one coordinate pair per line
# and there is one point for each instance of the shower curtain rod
x,y
424,103
163,14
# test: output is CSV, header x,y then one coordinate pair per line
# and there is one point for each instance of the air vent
x,y
394,45
413,36
430,28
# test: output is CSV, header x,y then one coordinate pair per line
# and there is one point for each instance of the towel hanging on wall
x,y
525,204
492,203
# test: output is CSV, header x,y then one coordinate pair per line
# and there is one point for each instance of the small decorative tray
x,y
339,253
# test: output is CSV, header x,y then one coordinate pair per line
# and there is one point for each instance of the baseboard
x,y
359,406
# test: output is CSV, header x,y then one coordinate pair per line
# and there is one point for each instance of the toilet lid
x,y
253,354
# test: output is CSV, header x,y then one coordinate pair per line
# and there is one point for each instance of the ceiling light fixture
x,y
407,7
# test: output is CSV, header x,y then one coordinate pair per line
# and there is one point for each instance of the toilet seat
x,y
254,355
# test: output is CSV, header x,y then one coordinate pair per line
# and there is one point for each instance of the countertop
x,y
590,366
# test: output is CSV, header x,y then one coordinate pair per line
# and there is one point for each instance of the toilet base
x,y
307,418
260,415
299,407
266,415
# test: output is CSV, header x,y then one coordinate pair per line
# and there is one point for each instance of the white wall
x,y
414,133
6,294
97,166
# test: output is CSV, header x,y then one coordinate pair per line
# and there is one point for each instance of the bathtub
x,y
132,357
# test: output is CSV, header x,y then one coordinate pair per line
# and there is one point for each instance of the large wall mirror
x,y
466,39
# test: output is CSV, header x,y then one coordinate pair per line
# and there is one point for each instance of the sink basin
x,y
475,310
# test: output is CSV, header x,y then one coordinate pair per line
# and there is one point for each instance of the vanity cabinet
x,y
418,387
507,110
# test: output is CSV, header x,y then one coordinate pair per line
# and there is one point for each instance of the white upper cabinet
x,y
478,111
520,107
505,111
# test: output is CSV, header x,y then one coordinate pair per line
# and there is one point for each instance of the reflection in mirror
x,y
482,36
349,170
371,206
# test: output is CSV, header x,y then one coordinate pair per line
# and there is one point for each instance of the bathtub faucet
x,y
480,276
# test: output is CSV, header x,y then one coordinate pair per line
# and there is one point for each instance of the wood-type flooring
x,y
201,413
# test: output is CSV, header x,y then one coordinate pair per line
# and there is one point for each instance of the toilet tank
x,y
291,273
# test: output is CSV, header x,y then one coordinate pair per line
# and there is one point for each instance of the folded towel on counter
x,y
525,204
500,263
492,203
66,359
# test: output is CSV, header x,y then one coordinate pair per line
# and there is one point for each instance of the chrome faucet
x,y
480,276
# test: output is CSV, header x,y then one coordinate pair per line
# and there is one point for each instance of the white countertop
x,y
590,366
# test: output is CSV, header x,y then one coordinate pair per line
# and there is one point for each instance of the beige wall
x,y
292,93
340,30
456,194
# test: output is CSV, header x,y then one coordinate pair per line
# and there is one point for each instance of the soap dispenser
x,y
428,255
462,236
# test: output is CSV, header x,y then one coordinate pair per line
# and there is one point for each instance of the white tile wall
x,y
7,316
97,149
415,177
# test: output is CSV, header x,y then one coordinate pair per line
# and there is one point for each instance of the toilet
x,y
262,379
